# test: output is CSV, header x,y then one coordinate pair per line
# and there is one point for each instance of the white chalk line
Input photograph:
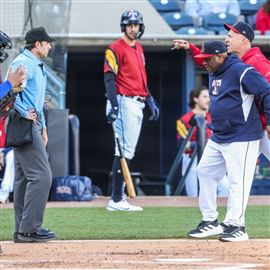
x,y
167,261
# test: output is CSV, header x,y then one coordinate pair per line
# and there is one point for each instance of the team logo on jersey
x,y
111,61
216,84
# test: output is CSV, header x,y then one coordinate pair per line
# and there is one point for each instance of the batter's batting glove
x,y
153,106
112,115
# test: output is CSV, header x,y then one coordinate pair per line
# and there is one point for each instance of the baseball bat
x,y
125,170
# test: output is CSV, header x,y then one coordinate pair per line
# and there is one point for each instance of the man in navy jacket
x,y
234,145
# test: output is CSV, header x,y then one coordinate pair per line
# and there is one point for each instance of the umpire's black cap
x,y
37,34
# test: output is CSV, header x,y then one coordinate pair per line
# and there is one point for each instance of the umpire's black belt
x,y
137,98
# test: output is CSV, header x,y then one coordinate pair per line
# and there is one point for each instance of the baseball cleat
x,y
206,229
123,205
233,234
223,225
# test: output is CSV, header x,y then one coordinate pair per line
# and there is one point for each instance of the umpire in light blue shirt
x,y
33,173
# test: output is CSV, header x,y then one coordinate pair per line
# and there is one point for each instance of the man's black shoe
x,y
15,238
43,235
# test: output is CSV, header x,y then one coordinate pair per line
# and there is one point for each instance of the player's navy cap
x,y
211,48
37,34
241,28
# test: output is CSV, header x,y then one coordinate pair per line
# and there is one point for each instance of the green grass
x,y
152,223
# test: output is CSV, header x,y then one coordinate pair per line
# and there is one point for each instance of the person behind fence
x,y
233,147
7,164
33,173
127,93
263,18
199,104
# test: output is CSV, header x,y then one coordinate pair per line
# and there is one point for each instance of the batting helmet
x,y
132,17
5,43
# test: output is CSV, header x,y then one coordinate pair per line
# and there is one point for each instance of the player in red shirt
x,y
263,18
127,92
199,103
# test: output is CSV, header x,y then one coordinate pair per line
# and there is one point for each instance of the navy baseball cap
x,y
241,28
211,48
37,34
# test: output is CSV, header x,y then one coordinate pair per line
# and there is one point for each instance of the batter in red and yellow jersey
x,y
127,92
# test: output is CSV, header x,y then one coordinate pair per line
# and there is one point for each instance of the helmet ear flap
x,y
5,42
140,34
3,56
122,27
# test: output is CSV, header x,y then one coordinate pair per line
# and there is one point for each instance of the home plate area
x,y
137,254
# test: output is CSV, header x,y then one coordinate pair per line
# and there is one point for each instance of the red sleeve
x,y
260,21
264,68
262,65
195,50
185,121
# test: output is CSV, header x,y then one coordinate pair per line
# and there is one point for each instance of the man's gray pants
x,y
33,183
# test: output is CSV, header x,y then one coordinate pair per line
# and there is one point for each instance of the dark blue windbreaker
x,y
234,114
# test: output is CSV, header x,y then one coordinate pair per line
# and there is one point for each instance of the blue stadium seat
x,y
166,5
250,7
257,32
223,32
177,20
251,20
215,21
193,31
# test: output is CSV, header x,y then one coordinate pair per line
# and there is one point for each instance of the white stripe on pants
x,y
238,159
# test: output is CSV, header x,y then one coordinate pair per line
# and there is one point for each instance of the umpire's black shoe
x,y
15,238
43,235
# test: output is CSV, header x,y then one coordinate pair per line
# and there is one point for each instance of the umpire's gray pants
x,y
33,183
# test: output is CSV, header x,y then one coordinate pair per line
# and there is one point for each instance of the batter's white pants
x,y
238,159
128,124
265,145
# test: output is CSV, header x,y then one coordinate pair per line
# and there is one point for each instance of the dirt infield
x,y
139,254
